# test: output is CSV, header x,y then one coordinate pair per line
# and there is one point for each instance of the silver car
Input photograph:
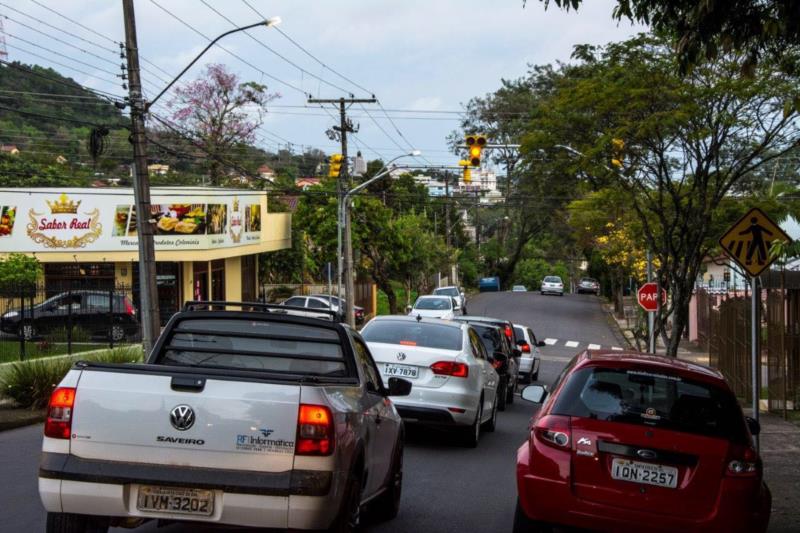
x,y
552,285
454,382
531,358
457,293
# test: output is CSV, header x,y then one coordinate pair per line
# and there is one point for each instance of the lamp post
x,y
344,221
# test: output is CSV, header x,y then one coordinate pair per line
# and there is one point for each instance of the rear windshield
x,y
651,399
490,337
437,304
407,333
256,345
449,291
552,279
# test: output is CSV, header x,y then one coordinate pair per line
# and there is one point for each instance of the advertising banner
x,y
49,220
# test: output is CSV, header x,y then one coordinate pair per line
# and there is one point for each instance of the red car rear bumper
x,y
552,501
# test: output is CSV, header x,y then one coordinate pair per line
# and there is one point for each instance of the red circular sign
x,y
647,296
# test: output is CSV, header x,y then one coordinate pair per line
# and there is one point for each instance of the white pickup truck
x,y
239,416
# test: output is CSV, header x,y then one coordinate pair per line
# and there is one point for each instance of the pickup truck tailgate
x,y
142,418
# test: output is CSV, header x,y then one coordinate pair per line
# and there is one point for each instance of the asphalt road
x,y
447,488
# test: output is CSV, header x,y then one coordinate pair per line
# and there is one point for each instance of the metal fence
x,y
40,322
783,340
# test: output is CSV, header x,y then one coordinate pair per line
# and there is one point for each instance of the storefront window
x,y
200,283
59,277
168,285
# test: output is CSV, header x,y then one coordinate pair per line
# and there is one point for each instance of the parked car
x,y
430,306
490,284
503,360
552,285
109,315
507,329
633,442
457,293
530,359
325,303
589,285
239,417
455,384
519,288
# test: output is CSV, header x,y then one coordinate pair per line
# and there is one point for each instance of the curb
x,y
35,417
616,327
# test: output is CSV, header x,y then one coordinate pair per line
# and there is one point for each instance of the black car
x,y
88,310
505,359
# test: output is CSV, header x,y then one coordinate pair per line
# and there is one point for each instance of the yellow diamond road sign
x,y
749,240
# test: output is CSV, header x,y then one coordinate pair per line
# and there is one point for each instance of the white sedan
x,y
454,382
434,307
552,285
531,358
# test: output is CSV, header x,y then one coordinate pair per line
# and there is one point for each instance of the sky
x,y
422,59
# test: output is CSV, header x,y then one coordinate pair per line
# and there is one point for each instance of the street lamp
x,y
272,21
343,219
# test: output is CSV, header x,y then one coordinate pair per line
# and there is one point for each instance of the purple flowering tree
x,y
221,113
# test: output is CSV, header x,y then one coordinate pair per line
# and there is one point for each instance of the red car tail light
x,y
525,347
509,332
129,308
59,413
554,431
315,430
743,462
450,368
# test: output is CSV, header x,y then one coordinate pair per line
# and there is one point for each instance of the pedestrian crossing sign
x,y
749,240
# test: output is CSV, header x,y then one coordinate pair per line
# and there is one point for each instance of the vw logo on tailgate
x,y
181,417
646,454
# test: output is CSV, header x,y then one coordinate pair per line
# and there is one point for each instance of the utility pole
x,y
148,292
447,208
344,178
651,316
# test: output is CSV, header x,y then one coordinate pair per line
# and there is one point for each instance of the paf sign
x,y
749,240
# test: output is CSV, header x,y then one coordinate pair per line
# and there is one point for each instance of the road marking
x,y
571,344
550,342
594,346
617,349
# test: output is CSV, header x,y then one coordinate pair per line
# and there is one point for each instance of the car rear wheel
x,y
75,523
510,390
491,424
534,376
28,331
387,505
116,333
349,518
472,434
501,394
523,524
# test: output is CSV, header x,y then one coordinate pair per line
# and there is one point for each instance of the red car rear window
x,y
647,398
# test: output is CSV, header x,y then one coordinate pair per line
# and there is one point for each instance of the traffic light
x,y
617,155
467,172
475,144
335,165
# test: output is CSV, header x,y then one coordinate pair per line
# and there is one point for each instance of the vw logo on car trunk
x,y
401,356
181,417
646,454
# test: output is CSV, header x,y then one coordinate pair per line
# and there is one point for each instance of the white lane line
x,y
594,346
617,349
571,344
550,342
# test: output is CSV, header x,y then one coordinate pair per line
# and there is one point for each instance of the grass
x,y
29,383
9,349
400,292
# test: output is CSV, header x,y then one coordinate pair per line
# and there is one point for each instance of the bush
x,y
79,334
29,383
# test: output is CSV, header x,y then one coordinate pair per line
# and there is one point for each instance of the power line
x,y
34,54
60,54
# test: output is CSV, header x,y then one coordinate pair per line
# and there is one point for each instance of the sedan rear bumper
x,y
438,406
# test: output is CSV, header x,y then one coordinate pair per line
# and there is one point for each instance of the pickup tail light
x,y
525,347
59,413
743,461
450,368
315,430
554,431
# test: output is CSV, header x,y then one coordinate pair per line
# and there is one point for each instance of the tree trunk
x,y
386,286
619,301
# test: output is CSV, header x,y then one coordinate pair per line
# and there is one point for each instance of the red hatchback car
x,y
634,442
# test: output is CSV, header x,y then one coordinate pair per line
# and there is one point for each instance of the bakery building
x,y
207,240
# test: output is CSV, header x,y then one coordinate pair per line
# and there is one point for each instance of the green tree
x,y
19,270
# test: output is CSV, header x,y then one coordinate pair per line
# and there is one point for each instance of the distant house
x,y
61,160
9,149
158,169
305,183
266,172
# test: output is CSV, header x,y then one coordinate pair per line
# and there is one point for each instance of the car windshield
x,y
646,398
435,304
552,279
255,345
519,287
407,333
447,291
587,280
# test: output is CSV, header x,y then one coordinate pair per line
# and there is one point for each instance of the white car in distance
x,y
552,285
430,306
456,293
454,382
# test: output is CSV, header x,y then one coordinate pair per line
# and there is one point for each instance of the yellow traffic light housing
x,y
475,144
335,165
467,172
617,155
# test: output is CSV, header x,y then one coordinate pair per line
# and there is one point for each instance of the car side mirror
x,y
399,387
521,342
540,344
499,356
408,309
534,393
516,352
753,425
